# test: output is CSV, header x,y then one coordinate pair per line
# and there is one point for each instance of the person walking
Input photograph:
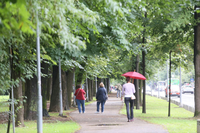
x,y
128,91
101,97
119,88
80,98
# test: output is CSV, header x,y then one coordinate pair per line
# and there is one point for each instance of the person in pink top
x,y
128,90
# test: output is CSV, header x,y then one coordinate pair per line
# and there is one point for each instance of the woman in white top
x,y
128,90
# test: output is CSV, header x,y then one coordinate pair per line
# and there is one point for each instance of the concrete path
x,y
111,121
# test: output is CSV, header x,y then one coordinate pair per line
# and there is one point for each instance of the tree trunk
x,y
98,82
140,92
94,87
89,89
11,77
169,107
19,110
30,106
86,89
49,84
108,85
143,61
65,91
54,104
137,84
91,86
44,85
197,64
144,84
70,76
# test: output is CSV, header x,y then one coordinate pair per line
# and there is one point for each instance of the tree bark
x,y
19,109
98,82
54,104
137,84
10,96
89,89
197,64
92,90
169,107
30,106
140,92
144,84
65,91
108,85
94,87
44,85
49,84
143,61
70,76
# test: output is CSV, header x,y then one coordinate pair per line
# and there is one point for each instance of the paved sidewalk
x,y
111,121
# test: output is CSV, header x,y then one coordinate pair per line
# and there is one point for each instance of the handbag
x,y
132,97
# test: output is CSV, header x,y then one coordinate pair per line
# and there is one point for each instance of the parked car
x,y
188,89
174,91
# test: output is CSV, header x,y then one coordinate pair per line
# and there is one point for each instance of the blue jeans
x,y
119,93
79,103
102,105
128,100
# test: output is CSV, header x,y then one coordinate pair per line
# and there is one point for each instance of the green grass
x,y
31,127
4,106
4,98
49,126
93,100
55,126
180,120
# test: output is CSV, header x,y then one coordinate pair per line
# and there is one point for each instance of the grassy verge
x,y
4,105
31,127
93,100
51,124
180,120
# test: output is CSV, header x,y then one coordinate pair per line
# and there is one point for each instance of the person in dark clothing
x,y
101,97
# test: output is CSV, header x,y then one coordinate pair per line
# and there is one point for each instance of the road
x,y
187,98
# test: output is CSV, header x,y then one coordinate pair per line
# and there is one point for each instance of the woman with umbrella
x,y
128,90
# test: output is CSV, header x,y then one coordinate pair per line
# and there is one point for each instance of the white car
x,y
188,89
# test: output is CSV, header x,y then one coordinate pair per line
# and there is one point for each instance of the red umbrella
x,y
134,75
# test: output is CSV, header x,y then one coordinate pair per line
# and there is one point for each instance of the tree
x,y
196,61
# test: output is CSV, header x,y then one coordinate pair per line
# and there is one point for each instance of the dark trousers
x,y
102,105
128,101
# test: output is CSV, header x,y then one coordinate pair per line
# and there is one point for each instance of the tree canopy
x,y
100,37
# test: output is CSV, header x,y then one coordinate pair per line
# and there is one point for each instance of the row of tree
x,y
101,38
